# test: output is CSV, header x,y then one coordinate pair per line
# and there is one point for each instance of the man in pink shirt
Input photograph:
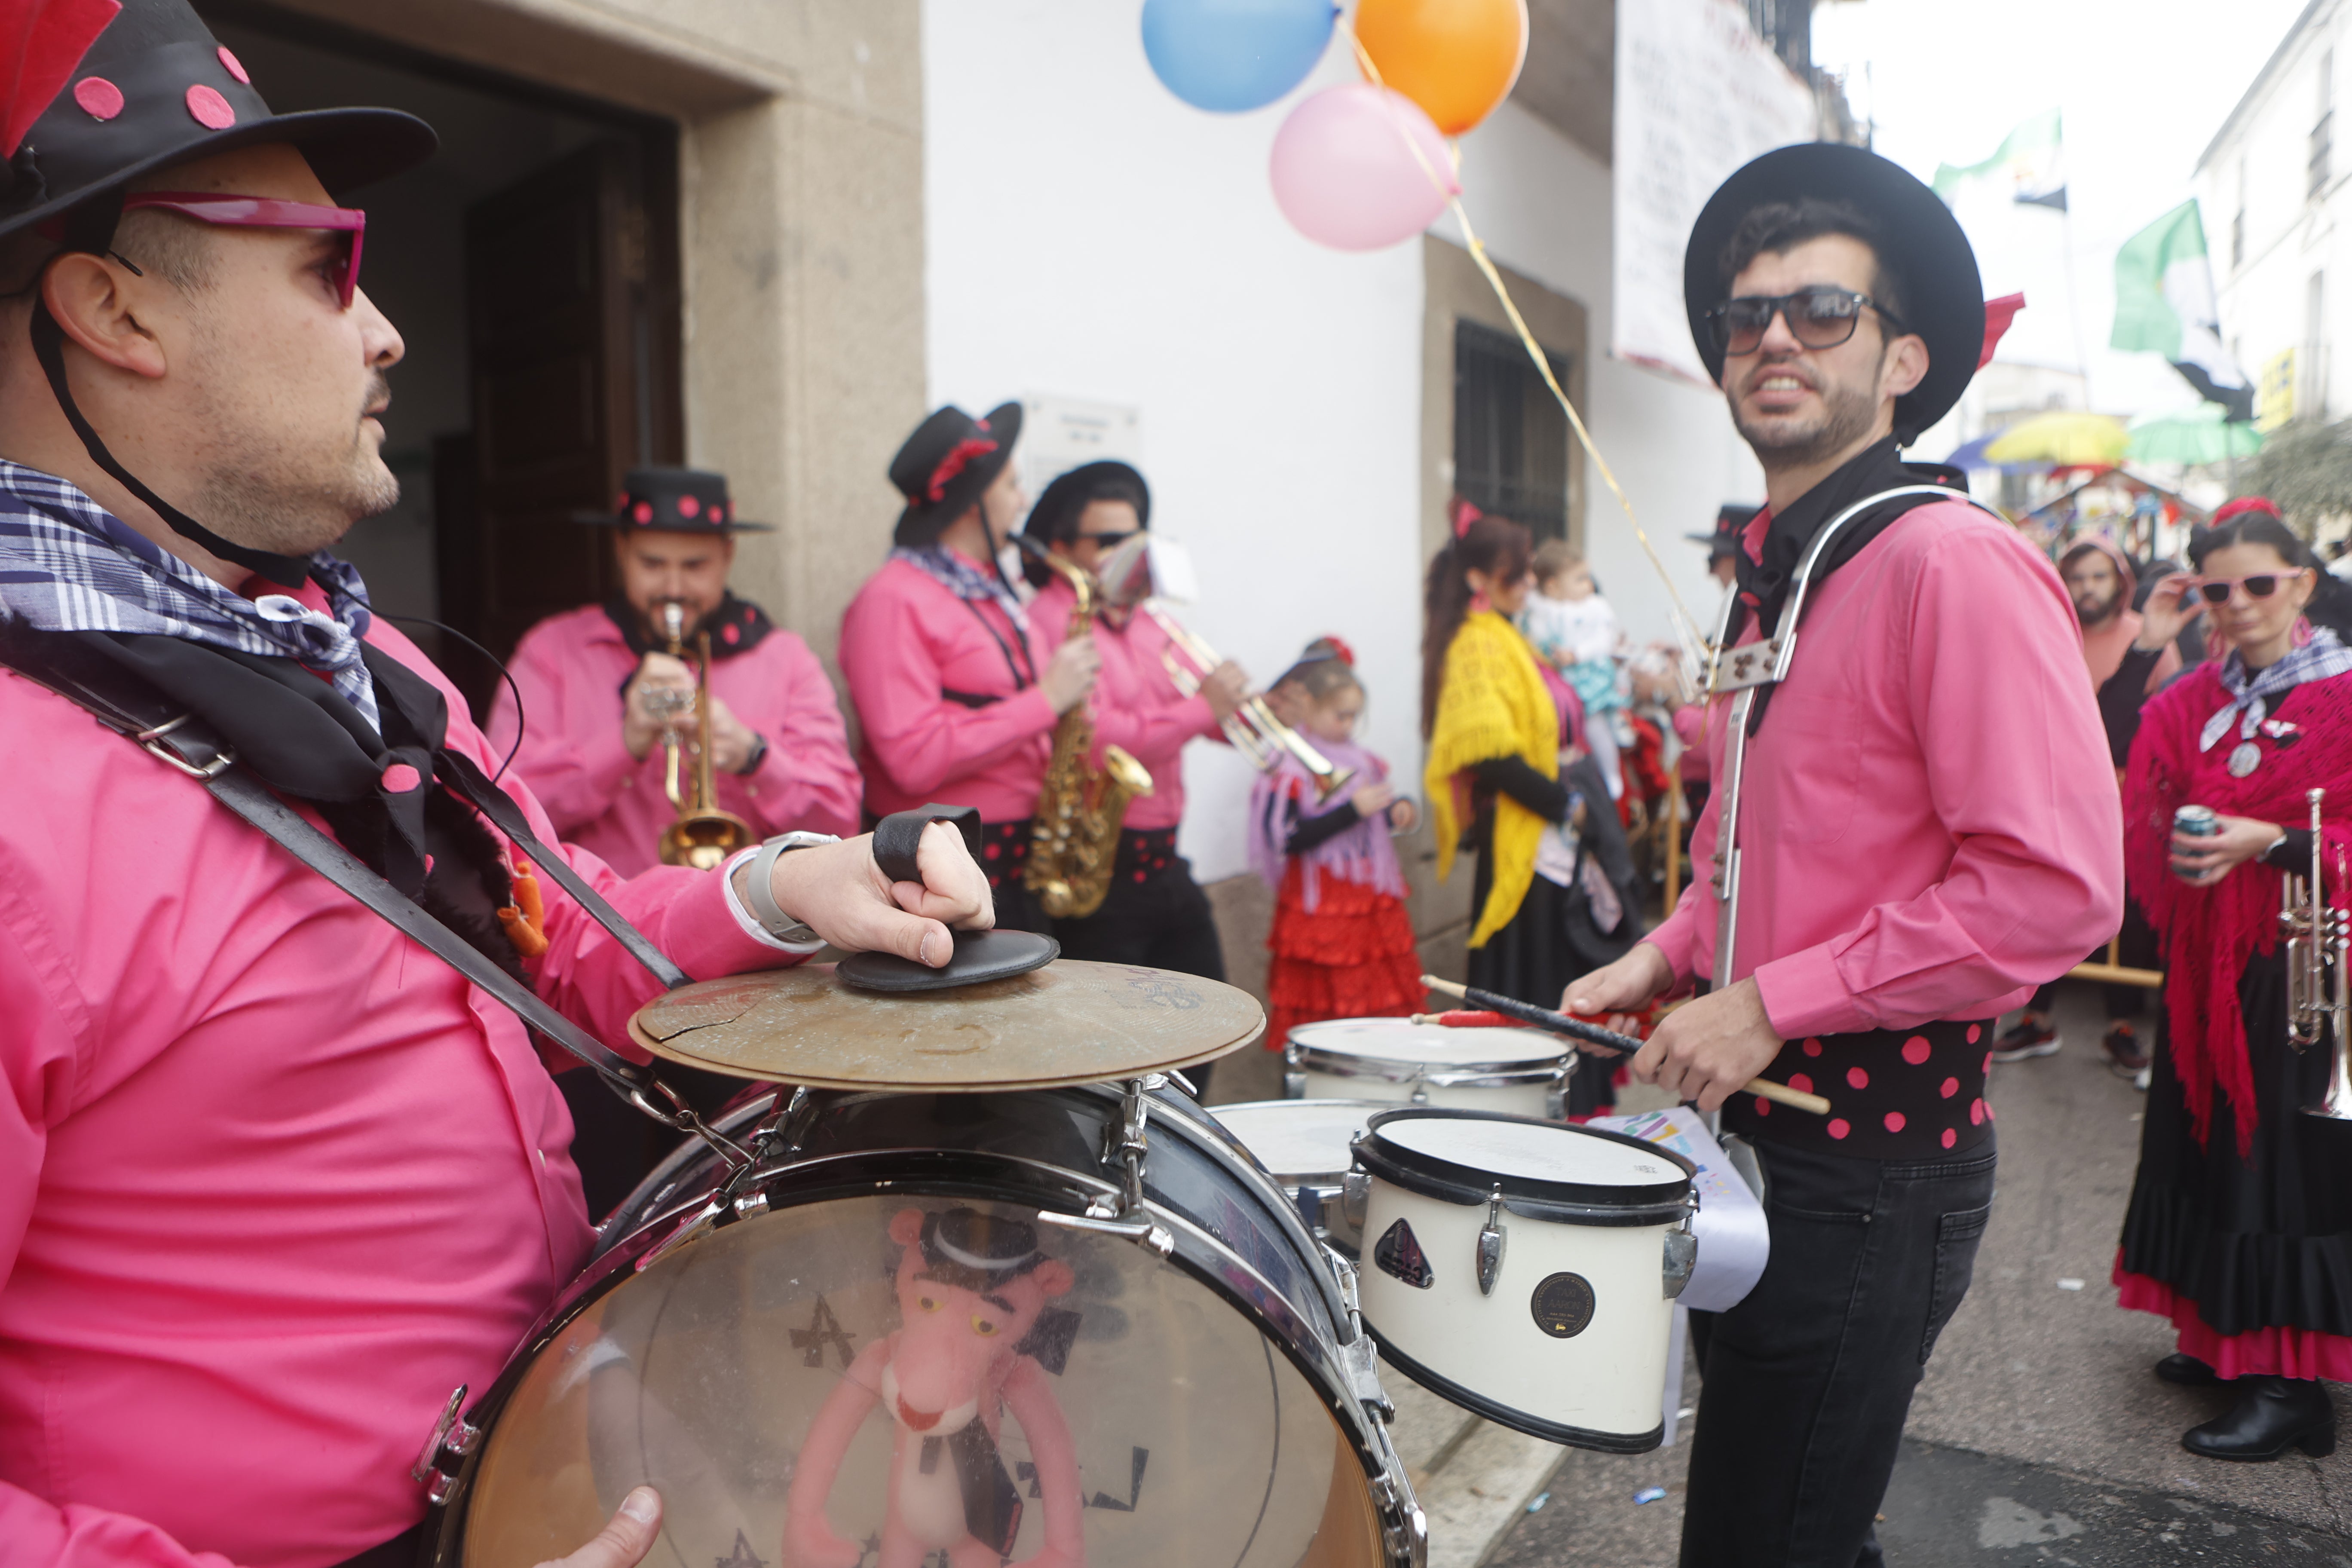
x,y
957,695
274,1177
1901,880
594,682
1155,913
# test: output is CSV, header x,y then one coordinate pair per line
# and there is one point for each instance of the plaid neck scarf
x,y
964,580
2317,659
66,564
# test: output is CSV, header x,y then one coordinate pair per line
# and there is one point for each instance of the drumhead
x,y
1301,1139
1464,1155
1162,1418
1400,1040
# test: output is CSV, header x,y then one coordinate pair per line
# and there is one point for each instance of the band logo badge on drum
x,y
1562,1305
1398,1253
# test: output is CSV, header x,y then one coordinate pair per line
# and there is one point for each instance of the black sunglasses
x,y
1818,317
1108,541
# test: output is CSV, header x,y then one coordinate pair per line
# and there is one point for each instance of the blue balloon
x,y
1233,55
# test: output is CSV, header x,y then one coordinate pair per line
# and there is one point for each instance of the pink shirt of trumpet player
x,y
570,669
273,1179
1136,703
947,697
1932,828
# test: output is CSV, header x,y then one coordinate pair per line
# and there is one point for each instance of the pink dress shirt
x,y
1135,703
572,668
943,715
273,1179
1931,824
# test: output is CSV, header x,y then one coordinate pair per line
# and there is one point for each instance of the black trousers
x,y
1808,1380
1162,922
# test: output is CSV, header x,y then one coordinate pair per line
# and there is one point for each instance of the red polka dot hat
x,y
105,94
673,500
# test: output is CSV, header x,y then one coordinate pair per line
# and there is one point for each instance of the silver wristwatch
x,y
760,892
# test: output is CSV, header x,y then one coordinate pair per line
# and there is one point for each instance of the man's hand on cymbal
x,y
1707,1050
658,696
624,1541
839,890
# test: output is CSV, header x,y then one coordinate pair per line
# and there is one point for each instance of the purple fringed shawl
x,y
1287,795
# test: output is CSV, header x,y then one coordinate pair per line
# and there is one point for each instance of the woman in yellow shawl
x,y
1547,907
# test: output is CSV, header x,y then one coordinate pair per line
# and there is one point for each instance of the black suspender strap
x,y
187,743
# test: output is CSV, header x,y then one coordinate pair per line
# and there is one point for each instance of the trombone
x,y
703,834
1254,729
2318,978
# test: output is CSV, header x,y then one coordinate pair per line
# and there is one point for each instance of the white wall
x,y
1541,203
1092,236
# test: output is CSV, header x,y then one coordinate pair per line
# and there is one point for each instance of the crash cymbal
x,y
1070,1021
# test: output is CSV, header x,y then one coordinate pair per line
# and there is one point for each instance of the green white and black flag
x,y
2032,158
2165,304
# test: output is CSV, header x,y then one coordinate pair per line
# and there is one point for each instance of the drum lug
x,y
1682,1255
1124,1148
1294,1083
698,1224
1355,1196
1491,1237
453,1437
1361,1359
1140,1228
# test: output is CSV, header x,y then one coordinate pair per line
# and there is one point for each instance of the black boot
x,y
2272,1415
2183,1368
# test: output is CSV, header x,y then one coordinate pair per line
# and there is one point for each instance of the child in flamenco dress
x,y
1342,946
2240,1226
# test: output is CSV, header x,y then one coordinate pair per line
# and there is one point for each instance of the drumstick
x,y
1577,1029
1459,1020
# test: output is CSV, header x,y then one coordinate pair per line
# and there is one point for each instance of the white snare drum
x,y
1305,1146
1527,1270
1521,1072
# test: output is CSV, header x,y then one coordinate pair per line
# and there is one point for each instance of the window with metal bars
x,y
1510,438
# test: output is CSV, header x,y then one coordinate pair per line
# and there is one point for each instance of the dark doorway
x,y
1510,440
533,269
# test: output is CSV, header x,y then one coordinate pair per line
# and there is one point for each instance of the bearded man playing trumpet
x,y
1154,914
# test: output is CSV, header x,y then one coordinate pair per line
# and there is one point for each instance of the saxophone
x,y
1079,809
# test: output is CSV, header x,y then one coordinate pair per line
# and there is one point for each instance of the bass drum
x,y
885,1347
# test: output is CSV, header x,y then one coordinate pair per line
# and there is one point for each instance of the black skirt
x,y
2258,1242
1551,941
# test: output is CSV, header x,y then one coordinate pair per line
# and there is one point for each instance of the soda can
x,y
2196,821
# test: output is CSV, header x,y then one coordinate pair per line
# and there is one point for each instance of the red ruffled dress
x,y
1342,945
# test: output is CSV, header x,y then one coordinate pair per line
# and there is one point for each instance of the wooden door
x,y
571,388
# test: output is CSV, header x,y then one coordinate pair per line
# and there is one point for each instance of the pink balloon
x,y
1344,173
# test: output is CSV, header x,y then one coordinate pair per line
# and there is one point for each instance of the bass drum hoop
x,y
1200,1255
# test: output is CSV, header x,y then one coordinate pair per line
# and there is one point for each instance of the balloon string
x,y
1686,624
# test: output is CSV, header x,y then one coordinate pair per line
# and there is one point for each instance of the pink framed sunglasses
x,y
264,212
2262,586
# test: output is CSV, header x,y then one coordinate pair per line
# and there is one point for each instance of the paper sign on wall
x,y
1699,94
1057,434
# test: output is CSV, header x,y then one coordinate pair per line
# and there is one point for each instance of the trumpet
x,y
1254,728
2318,977
703,834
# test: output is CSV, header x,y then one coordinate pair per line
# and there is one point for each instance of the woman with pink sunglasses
x,y
2240,1226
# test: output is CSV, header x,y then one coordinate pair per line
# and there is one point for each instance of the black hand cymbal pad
x,y
979,955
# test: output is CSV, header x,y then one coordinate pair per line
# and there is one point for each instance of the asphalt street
x,y
2039,1434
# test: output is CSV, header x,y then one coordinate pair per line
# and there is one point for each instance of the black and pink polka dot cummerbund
x,y
1893,1094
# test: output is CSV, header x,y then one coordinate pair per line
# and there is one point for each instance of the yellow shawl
x,y
1493,703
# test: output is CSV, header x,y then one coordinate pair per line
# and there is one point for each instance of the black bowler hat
x,y
1054,519
945,465
1922,242
157,89
1731,519
673,500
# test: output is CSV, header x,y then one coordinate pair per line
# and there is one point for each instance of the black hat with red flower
x,y
946,465
673,500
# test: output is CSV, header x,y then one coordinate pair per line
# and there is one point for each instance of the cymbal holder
x,y
1125,1147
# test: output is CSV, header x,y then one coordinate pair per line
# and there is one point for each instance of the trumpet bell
x,y
704,839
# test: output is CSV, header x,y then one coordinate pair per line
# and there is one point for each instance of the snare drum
x,y
1521,1072
942,1323
1527,1270
1305,1146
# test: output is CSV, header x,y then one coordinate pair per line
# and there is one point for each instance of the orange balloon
x,y
1457,59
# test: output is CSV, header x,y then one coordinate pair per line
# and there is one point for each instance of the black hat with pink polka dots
x,y
673,500
155,88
